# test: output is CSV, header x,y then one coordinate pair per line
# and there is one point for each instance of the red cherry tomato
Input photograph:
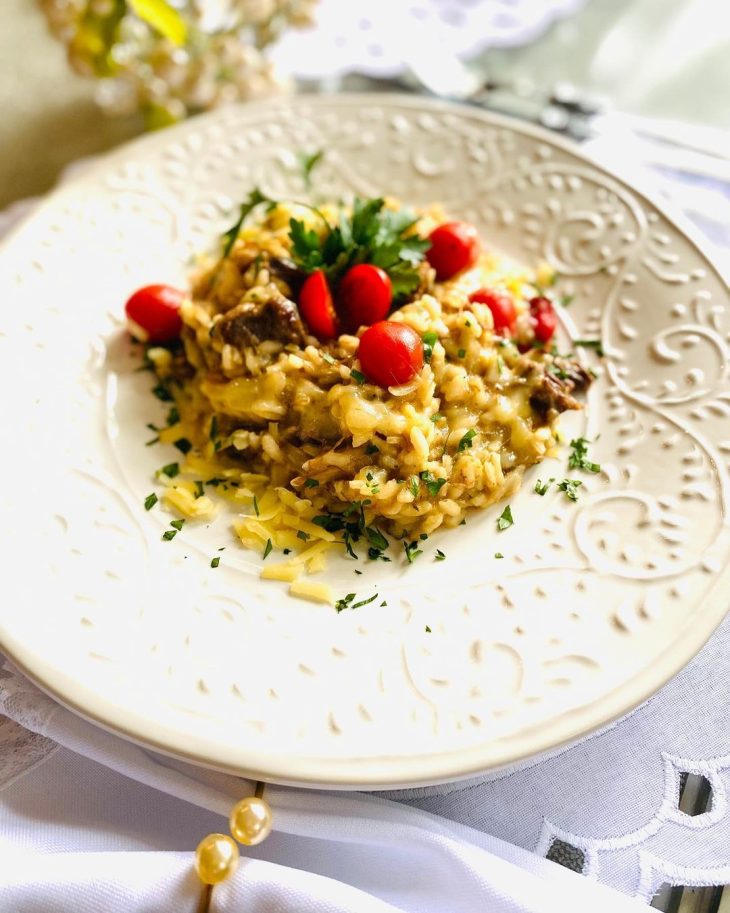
x,y
544,319
153,313
390,353
454,247
315,303
504,313
365,296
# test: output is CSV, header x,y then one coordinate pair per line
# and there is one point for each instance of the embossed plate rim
x,y
381,772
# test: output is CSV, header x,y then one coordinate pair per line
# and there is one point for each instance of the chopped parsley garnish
x,y
177,524
152,441
577,459
440,556
570,487
162,392
505,520
311,483
150,501
199,490
344,603
542,487
376,554
287,551
589,344
347,602
370,449
461,353
171,470
371,234
429,341
376,538
308,162
352,528
215,561
432,484
383,603
436,417
328,358
427,630
359,573
254,199
169,534
412,551
465,442
498,555
302,535
183,445
414,485
222,548
567,300
268,549
357,376
213,434
173,416
255,505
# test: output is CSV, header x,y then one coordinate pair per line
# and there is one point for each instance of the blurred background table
x,y
665,58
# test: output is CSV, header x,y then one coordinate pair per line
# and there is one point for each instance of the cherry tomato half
x,y
504,313
365,296
153,313
544,319
454,247
315,304
390,353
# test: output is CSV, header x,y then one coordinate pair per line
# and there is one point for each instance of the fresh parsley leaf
x,y
542,487
254,199
357,376
311,483
177,524
578,457
505,520
213,434
149,443
376,538
328,358
498,555
465,442
461,353
414,485
440,556
268,549
363,602
412,551
215,561
199,490
567,300
370,449
436,417
344,603
308,162
570,487
302,535
183,445
150,501
173,416
429,341
171,470
169,534
255,505
427,630
433,485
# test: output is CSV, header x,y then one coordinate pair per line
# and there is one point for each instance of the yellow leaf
x,y
162,17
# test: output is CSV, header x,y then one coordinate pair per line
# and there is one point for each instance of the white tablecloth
x,y
91,823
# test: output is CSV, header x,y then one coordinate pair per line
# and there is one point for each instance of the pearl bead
x,y
216,858
251,821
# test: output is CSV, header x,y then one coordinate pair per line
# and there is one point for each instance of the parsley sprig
x,y
371,234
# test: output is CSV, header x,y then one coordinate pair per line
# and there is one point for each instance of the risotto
x,y
348,396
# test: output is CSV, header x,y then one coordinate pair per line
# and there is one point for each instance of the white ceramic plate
x,y
594,605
